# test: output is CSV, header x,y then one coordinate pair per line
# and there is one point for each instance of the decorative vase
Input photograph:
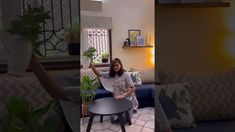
x,y
86,63
20,52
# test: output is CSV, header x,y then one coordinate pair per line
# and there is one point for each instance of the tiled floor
x,y
142,121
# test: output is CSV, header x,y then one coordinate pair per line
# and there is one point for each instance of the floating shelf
x,y
147,46
206,4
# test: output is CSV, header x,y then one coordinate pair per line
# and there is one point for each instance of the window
x,y
100,40
96,32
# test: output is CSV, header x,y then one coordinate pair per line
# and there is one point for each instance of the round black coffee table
x,y
109,106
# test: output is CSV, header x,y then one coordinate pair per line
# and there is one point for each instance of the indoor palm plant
x,y
88,54
26,29
72,36
87,88
22,117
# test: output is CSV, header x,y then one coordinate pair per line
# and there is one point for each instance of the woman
x,y
118,75
123,86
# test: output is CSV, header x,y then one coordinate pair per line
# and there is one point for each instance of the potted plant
x,y
87,89
26,29
105,57
72,36
88,54
22,117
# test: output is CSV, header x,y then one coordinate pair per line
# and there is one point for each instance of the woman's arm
x,y
130,91
94,70
48,83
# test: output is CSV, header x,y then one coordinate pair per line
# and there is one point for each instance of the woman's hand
x,y
120,96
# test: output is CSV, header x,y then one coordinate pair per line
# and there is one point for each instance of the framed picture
x,y
140,40
133,36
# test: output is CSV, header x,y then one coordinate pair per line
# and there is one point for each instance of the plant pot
x,y
74,48
84,110
20,53
105,60
86,63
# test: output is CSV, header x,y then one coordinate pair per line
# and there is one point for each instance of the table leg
x,y
128,118
90,123
101,118
121,120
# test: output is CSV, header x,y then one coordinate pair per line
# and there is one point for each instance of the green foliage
x,y
87,88
89,53
21,117
29,26
72,34
105,55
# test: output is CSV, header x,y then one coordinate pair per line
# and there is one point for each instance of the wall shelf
x,y
204,4
147,46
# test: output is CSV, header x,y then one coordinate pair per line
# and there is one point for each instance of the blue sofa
x,y
144,94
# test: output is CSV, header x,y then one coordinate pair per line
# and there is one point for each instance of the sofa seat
x,y
211,126
144,94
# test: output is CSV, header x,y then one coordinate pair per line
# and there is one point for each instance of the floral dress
x,y
121,85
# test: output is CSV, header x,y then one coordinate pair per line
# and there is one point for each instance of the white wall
x,y
129,14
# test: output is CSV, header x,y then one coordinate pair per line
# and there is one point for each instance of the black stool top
x,y
109,106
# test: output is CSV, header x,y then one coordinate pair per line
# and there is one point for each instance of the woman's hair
x,y
112,72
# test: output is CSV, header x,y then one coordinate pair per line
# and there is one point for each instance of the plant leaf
x,y
18,108
38,114
51,124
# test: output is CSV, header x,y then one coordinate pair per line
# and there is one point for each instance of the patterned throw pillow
x,y
87,72
147,75
136,77
175,101
211,94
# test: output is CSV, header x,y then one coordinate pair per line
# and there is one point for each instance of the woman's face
x,y
116,67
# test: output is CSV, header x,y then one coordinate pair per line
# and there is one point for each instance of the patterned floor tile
x,y
142,121
147,130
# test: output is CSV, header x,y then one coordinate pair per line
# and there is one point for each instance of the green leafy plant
x,y
29,26
89,53
105,55
21,117
72,34
87,88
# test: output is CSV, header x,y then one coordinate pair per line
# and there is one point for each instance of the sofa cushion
x,y
87,72
212,126
212,95
175,100
147,75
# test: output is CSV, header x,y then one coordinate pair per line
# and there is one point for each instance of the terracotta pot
x,y
84,110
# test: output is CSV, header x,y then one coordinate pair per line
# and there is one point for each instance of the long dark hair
x,y
112,72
